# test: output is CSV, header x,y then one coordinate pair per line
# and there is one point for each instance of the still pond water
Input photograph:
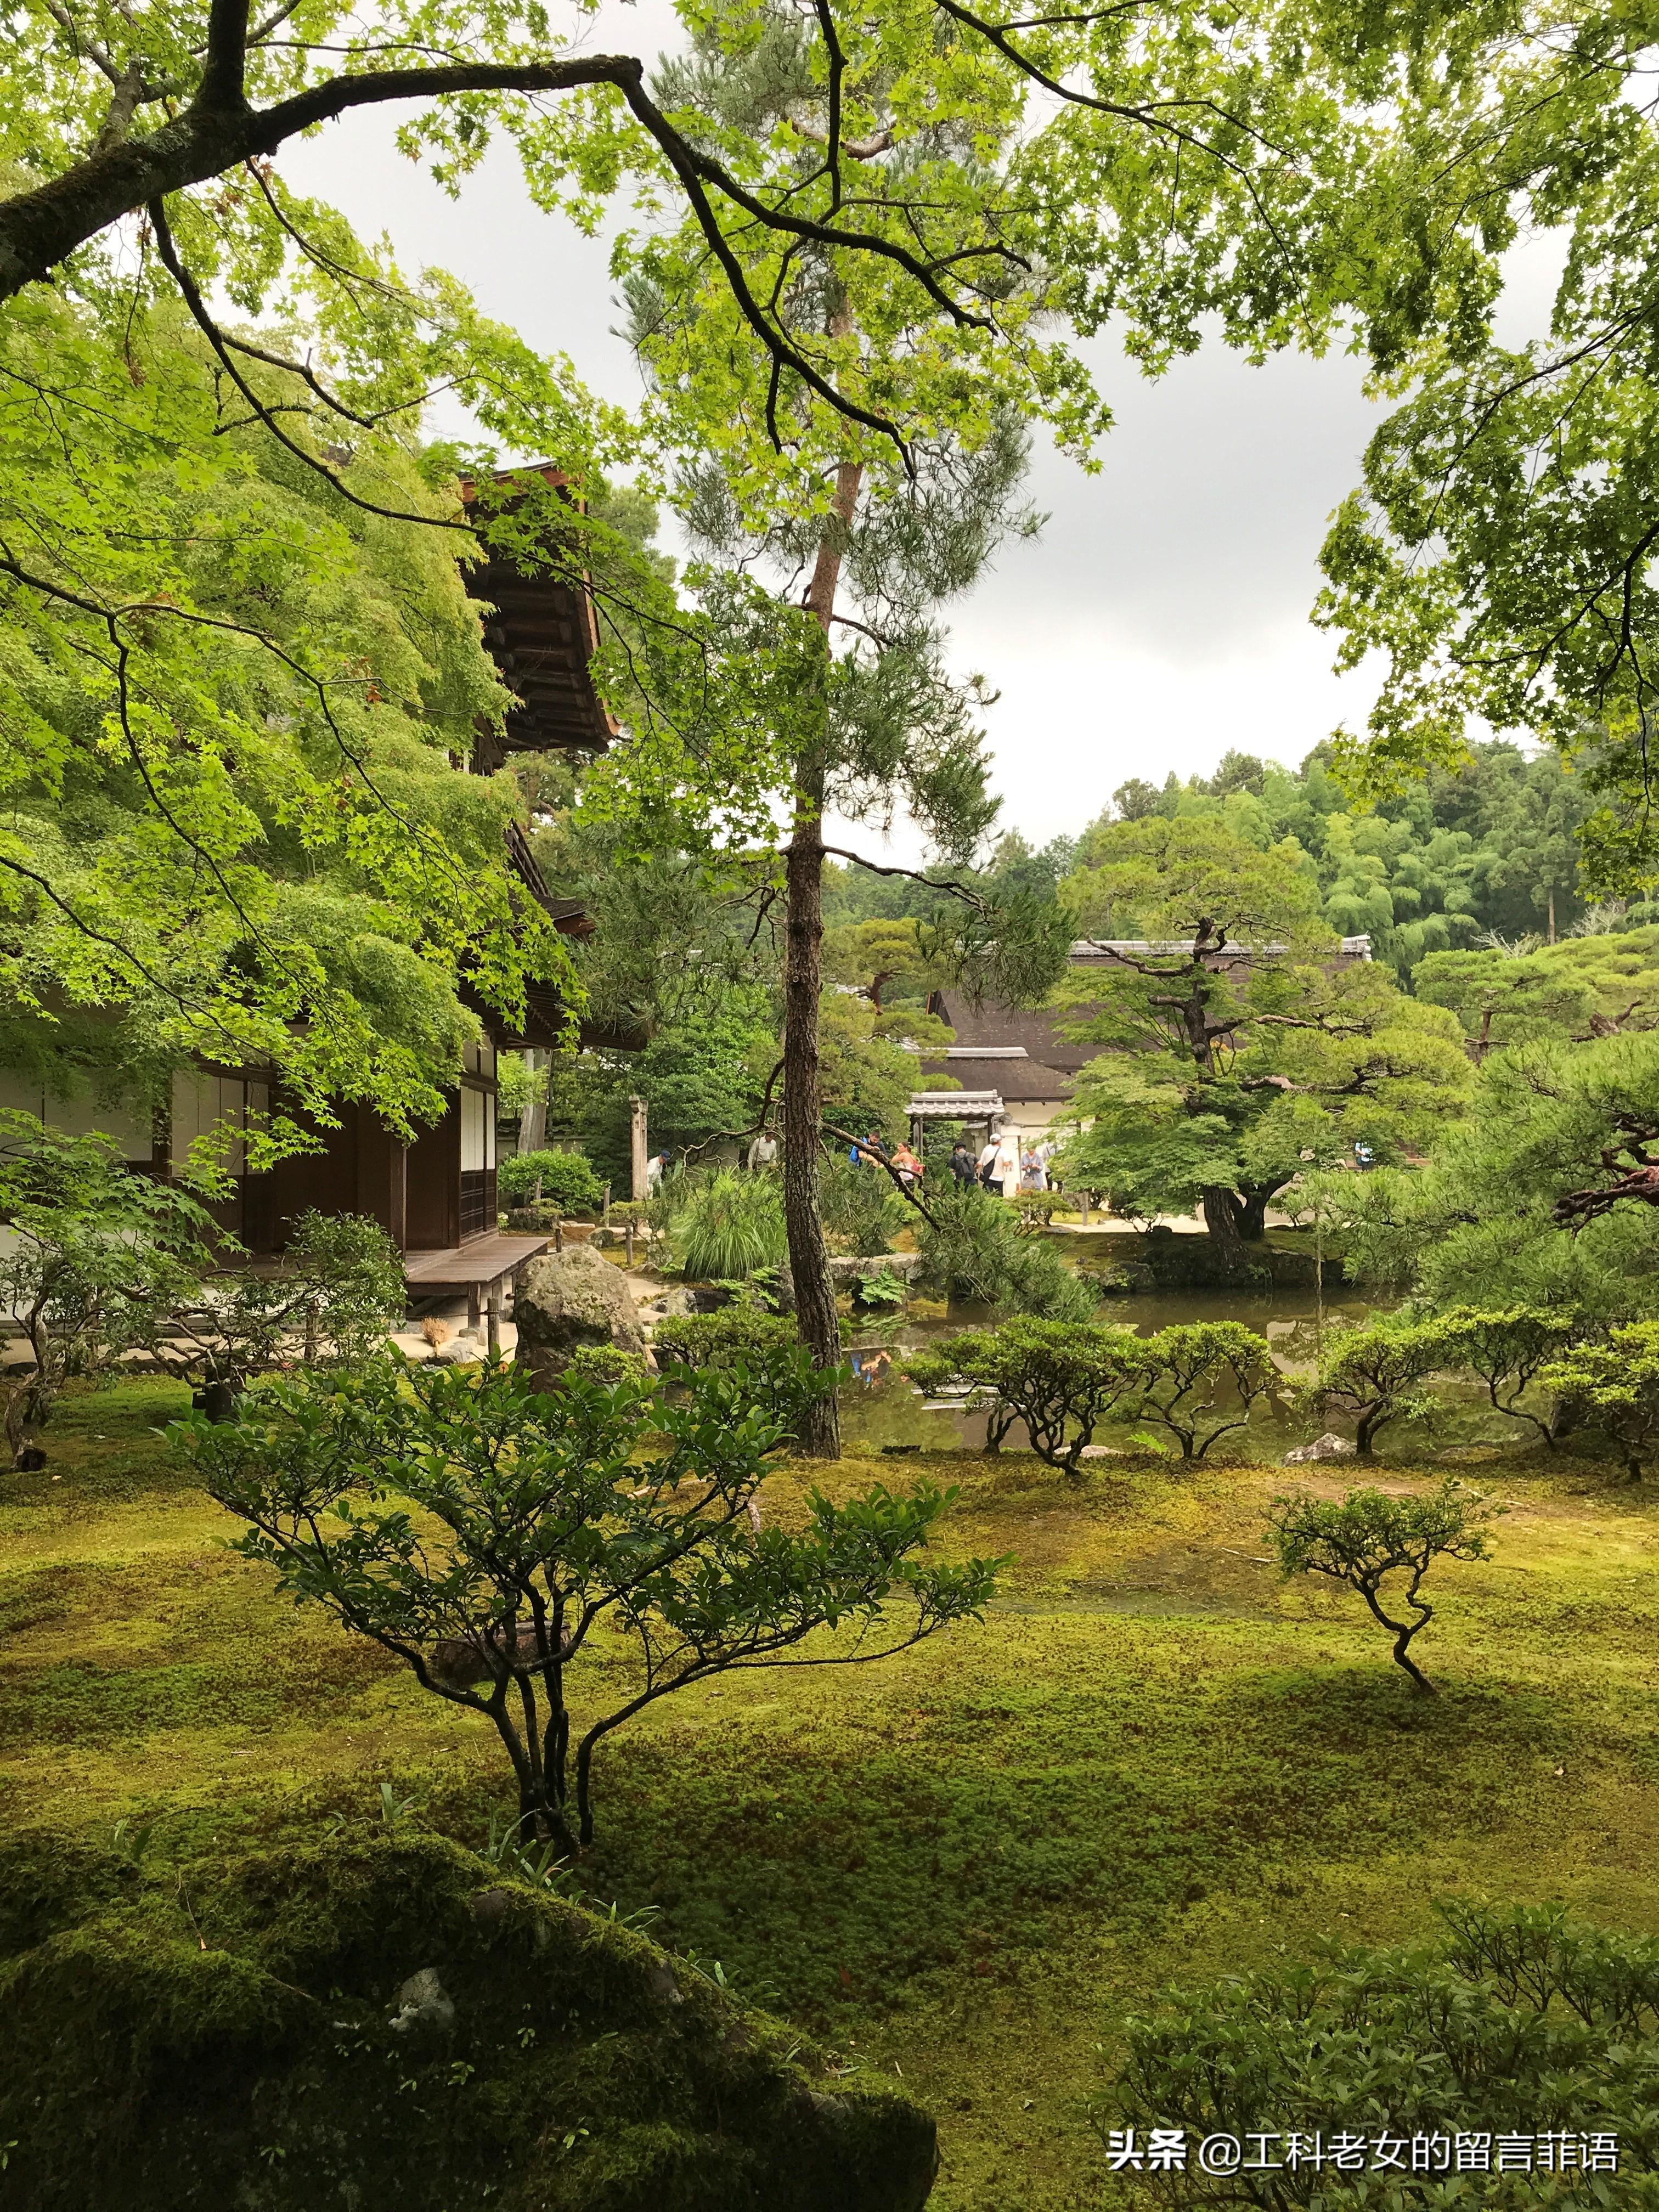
x,y
880,1407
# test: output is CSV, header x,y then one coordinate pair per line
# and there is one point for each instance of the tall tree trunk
x,y
803,981
1221,1219
532,1122
1551,914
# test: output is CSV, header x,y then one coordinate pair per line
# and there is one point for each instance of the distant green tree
x,y
1545,1195
1239,1050
1501,1000
1368,1538
701,1075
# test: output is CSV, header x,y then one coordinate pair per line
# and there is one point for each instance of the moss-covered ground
x,y
960,1866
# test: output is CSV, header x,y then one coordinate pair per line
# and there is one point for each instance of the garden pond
x,y
883,1410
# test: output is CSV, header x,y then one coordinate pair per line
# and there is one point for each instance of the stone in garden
x,y
423,2006
457,1351
566,1300
1329,1446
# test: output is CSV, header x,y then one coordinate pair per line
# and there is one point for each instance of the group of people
x,y
1005,1164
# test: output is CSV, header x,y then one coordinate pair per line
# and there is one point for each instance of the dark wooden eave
x,y
542,633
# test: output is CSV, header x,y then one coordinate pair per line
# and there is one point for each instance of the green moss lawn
x,y
958,1867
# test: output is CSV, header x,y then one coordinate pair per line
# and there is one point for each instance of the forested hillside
x,y
1488,851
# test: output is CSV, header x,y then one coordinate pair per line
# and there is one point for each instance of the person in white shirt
x,y
764,1152
987,1161
1006,1168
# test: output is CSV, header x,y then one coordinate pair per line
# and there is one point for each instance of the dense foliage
x,y
1516,2023
1240,1045
564,1180
96,1260
1541,1196
972,1249
1615,1386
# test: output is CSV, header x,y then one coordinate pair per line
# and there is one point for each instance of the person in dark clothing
x,y
962,1165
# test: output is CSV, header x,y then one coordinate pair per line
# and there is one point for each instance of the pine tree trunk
x,y
803,982
809,1256
1551,914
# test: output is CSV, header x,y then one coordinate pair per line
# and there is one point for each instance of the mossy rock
x,y
382,2023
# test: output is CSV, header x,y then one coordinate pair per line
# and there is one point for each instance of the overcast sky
x,y
1163,614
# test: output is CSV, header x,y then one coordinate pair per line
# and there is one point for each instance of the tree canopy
x,y
1241,1045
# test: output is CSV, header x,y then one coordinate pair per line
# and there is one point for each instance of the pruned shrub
x,y
1377,1375
762,1351
607,1364
1062,1379
1615,1386
1507,2064
1203,1379
720,1339
1383,1547
563,1181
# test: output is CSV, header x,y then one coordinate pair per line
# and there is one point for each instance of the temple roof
x,y
541,632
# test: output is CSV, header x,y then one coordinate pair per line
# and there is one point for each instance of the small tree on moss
x,y
337,1297
1062,1379
1377,1375
1615,1386
1510,1349
1370,1538
1204,1377
484,1533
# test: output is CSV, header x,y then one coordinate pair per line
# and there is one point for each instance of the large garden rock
x,y
567,1299
382,2023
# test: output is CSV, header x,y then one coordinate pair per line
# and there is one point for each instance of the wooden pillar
x,y
494,1309
641,1182
473,1289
